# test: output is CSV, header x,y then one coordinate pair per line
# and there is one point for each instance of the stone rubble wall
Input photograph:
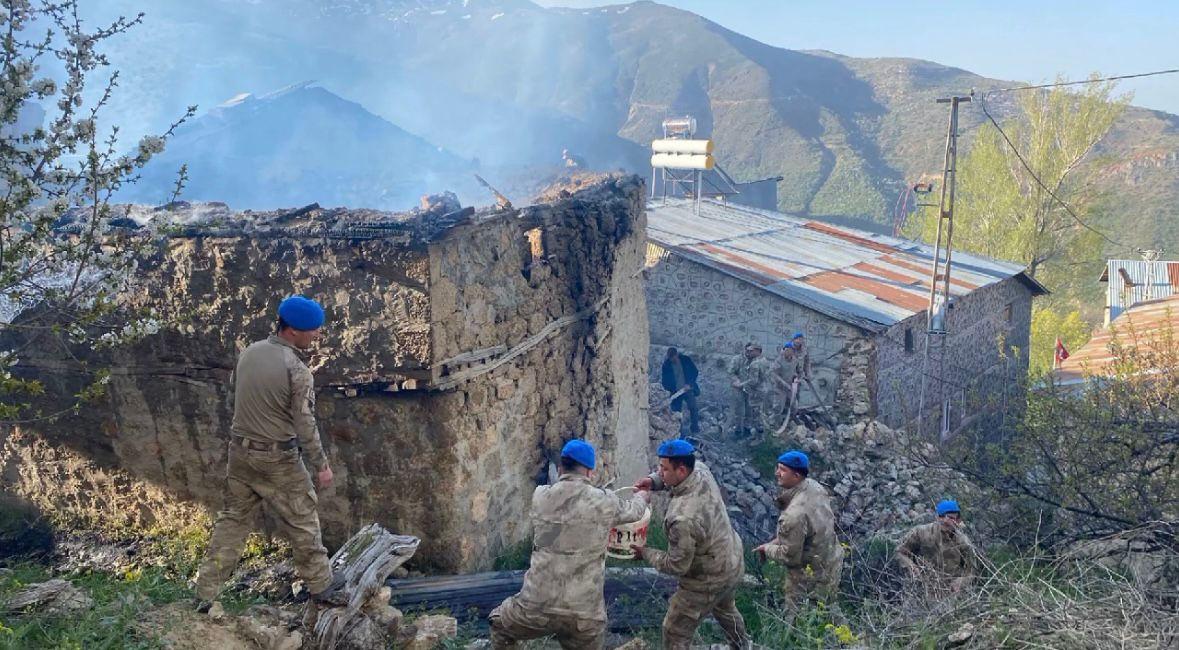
x,y
455,467
882,481
711,315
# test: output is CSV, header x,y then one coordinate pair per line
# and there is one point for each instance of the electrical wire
x,y
1036,177
1086,81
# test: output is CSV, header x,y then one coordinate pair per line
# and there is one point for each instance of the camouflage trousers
x,y
280,480
804,585
687,608
745,411
511,623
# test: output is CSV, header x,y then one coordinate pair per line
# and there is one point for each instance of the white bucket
x,y
623,536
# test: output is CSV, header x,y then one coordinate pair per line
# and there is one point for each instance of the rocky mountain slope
x,y
512,84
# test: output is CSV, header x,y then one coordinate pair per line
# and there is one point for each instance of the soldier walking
x,y
704,551
563,588
273,419
805,544
939,552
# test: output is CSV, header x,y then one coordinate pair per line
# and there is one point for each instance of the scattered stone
x,y
217,611
55,596
427,632
267,635
881,479
961,636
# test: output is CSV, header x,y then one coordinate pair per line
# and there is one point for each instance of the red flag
x,y
1061,353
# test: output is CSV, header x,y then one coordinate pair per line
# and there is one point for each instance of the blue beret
x,y
675,448
947,506
795,460
798,335
580,452
789,344
301,313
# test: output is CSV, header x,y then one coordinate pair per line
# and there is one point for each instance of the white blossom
x,y
150,145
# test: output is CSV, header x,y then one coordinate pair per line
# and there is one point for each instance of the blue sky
x,y
1033,40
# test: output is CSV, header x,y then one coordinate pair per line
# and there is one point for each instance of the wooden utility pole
x,y
939,302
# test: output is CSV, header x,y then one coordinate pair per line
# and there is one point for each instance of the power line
x,y
1086,81
1036,177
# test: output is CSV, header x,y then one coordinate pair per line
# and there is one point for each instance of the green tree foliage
x,y
62,261
1002,212
1047,325
1102,455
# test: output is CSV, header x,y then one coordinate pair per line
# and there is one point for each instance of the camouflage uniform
x,y
273,417
950,556
779,392
563,588
747,402
806,544
705,553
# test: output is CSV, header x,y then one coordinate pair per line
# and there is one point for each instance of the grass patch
x,y
516,557
119,601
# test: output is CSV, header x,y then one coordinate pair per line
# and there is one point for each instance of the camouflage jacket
x,y
806,532
783,369
570,522
951,554
704,551
274,398
753,373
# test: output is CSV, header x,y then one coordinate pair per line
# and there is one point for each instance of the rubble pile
x,y
882,479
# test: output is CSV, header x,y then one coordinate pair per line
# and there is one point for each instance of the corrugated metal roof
x,y
1151,321
1135,281
872,281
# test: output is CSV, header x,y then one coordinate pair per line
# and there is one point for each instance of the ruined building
x,y
461,350
732,274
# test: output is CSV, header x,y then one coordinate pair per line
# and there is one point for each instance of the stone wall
x,y
448,452
711,315
985,360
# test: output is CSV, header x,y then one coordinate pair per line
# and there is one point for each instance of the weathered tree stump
x,y
367,621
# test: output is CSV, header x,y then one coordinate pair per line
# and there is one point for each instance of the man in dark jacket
x,y
679,372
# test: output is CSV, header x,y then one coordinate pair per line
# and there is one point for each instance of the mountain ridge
x,y
512,84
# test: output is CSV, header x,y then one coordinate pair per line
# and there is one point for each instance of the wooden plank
x,y
526,345
474,355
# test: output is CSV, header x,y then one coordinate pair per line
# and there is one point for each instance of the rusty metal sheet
x,y
866,279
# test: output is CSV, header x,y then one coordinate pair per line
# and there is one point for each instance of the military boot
x,y
334,594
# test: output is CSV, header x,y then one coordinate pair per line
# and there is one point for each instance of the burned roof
x,y
437,214
868,280
1149,323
